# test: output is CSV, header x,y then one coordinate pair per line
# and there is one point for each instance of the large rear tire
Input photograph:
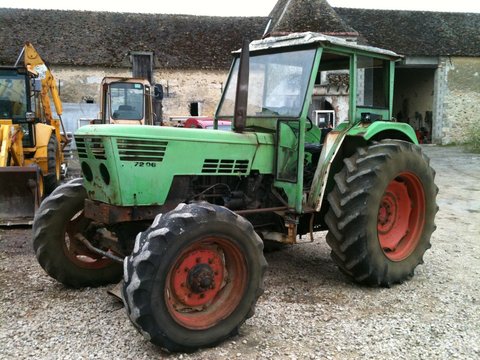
x,y
60,254
382,211
194,277
52,179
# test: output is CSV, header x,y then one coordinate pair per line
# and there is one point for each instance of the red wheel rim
x,y
401,217
206,283
75,251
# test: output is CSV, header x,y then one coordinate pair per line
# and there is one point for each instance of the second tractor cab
x,y
127,101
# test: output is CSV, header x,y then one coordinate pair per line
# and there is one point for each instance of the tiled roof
x,y
105,38
306,15
419,33
205,42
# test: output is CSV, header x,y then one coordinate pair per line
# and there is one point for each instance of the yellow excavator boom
x,y
36,66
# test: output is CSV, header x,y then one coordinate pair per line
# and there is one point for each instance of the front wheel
x,y
382,211
194,277
57,221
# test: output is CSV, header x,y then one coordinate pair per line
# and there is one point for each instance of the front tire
x,y
58,219
382,211
194,277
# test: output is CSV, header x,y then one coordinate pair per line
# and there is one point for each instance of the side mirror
x,y
158,92
30,116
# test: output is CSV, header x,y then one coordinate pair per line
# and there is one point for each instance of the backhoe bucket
x,y
20,194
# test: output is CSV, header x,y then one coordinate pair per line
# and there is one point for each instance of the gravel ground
x,y
309,310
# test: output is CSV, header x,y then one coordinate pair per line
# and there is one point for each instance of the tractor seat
x,y
313,148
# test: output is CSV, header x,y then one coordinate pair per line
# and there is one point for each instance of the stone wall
x,y
461,101
181,87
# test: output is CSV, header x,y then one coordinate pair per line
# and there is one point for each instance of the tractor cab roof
x,y
310,38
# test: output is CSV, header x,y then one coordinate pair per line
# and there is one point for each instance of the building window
x,y
194,109
142,64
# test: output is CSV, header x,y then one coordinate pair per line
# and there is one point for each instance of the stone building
x,y
437,83
190,55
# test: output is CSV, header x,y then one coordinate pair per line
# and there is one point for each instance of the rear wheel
x,y
194,277
382,212
58,221
52,178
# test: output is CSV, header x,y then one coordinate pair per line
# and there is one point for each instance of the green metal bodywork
x,y
368,131
142,161
142,174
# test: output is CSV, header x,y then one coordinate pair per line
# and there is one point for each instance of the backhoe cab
x,y
31,143
195,270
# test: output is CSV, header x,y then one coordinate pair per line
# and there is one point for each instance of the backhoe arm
x,y
35,65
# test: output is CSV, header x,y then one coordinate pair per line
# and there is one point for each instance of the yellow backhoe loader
x,y
31,140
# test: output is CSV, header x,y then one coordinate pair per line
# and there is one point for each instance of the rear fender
x,y
331,147
342,144
380,130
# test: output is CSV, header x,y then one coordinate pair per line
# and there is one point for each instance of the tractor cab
x,y
293,85
15,102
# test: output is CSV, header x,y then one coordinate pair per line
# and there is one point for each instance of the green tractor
x,y
187,212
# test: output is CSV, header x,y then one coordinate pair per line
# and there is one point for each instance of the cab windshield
x,y
13,95
126,101
277,84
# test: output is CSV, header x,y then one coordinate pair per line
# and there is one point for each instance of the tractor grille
x,y
141,150
94,144
82,150
217,166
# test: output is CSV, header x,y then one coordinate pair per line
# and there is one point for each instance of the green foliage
x,y
473,137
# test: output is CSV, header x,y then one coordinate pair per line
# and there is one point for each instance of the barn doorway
x,y
413,99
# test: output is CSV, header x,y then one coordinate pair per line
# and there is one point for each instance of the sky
x,y
234,8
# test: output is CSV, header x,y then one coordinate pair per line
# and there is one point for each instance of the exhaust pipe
x,y
241,96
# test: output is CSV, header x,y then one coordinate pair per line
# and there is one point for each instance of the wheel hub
x,y
400,216
206,282
387,213
201,278
393,214
197,279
